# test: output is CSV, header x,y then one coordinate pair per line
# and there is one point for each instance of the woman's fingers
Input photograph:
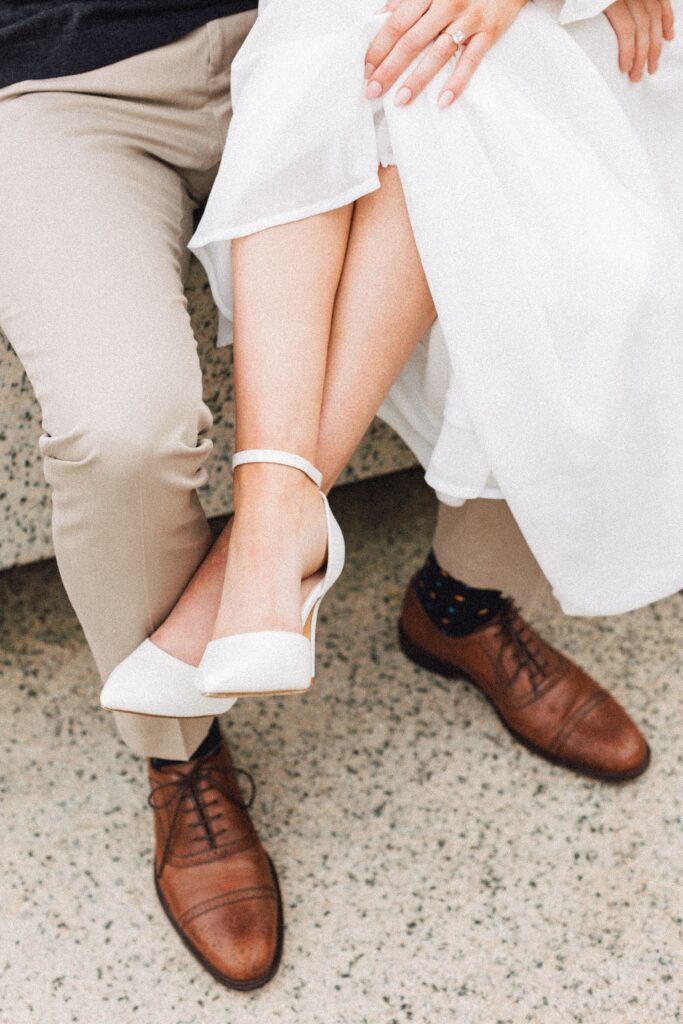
x,y
667,19
654,10
641,26
439,53
624,26
642,23
405,51
403,16
468,61
413,25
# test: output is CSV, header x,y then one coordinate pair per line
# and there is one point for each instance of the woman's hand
x,y
640,27
414,24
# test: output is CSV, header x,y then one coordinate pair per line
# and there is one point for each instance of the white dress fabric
x,y
547,209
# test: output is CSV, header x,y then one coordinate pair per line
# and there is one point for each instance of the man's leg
x,y
458,620
480,542
91,297
99,175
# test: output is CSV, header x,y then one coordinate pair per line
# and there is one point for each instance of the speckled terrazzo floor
x,y
432,870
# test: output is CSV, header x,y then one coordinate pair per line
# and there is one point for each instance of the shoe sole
x,y
210,696
233,983
258,693
158,714
426,660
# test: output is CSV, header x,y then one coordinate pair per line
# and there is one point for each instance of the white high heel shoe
x,y
270,662
152,682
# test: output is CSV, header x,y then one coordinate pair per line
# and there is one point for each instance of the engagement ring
x,y
457,36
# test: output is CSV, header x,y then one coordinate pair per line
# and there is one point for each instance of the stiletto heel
x,y
314,623
271,662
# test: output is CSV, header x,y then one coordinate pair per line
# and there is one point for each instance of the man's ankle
x,y
208,746
453,606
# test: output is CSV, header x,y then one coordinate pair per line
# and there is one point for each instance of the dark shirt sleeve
x,y
68,37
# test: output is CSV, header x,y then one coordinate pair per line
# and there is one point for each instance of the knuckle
x,y
443,46
394,25
406,49
407,16
395,64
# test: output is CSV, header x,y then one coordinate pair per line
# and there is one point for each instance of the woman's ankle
x,y
277,512
267,485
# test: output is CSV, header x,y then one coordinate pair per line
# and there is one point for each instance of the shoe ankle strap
x,y
280,458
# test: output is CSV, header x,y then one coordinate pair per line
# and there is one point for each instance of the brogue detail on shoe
x,y
214,879
544,699
253,893
572,721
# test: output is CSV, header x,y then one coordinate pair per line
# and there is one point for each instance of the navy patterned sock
x,y
452,605
209,745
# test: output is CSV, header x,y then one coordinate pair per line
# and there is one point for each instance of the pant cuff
x,y
174,739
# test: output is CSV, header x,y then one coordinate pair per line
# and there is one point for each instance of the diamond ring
x,y
456,35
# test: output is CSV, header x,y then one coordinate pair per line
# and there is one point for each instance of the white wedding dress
x,y
547,207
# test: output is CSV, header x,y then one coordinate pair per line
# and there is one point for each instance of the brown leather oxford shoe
x,y
213,877
546,701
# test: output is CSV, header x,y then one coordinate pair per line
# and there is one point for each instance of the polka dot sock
x,y
452,605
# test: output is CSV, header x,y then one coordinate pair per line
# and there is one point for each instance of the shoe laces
x,y
197,793
517,636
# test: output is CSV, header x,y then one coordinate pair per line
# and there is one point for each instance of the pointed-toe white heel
x,y
152,682
274,662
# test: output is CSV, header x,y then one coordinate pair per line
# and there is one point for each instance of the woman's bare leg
x,y
285,282
381,310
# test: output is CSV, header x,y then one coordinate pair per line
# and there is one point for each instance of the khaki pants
x,y
100,174
481,543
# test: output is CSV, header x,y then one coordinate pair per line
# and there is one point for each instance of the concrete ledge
x,y
24,496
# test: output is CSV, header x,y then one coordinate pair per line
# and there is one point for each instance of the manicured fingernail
x,y
370,70
402,97
446,98
373,90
